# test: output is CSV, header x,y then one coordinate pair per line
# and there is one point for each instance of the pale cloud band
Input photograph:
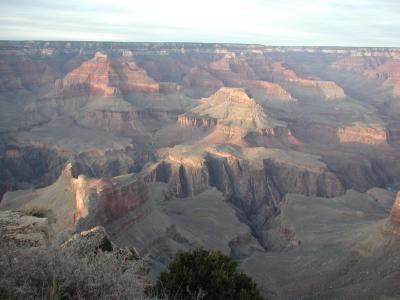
x,y
284,22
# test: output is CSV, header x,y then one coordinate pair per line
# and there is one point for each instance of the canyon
x,y
285,158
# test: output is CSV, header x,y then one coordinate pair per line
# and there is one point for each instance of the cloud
x,y
284,22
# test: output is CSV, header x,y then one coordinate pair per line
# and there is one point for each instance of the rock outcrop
x,y
24,230
385,69
91,78
102,76
393,223
128,77
192,120
233,108
389,71
307,88
271,90
234,117
99,201
244,71
201,79
363,134
357,63
90,241
26,164
120,117
254,175
23,73
116,121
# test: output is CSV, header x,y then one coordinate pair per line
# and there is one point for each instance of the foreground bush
x,y
56,273
201,274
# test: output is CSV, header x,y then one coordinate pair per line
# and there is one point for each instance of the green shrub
x,y
201,274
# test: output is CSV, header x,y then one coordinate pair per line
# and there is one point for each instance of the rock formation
x,y
201,79
307,88
234,117
23,73
251,174
241,148
128,77
99,201
361,133
102,76
24,230
270,90
91,78
393,223
386,70
242,72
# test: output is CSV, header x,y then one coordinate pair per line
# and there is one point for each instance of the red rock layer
x,y
91,78
127,76
123,121
190,121
357,63
269,88
104,200
169,87
199,78
101,76
244,71
390,70
329,89
118,200
83,187
387,70
362,134
116,121
231,66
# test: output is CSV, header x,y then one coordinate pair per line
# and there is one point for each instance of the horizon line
x,y
193,43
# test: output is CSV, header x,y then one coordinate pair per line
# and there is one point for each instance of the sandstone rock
x,y
24,230
99,201
119,116
356,63
328,90
256,176
244,72
232,107
236,118
200,78
386,70
362,133
271,90
91,78
102,76
232,66
117,121
92,240
127,76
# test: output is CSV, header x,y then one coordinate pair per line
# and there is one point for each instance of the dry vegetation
x,y
57,273
39,212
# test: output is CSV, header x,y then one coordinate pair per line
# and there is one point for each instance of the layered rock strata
x,y
363,134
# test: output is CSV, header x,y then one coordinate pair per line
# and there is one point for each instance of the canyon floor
x,y
285,158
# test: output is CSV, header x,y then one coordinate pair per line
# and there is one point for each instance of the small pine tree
x,y
201,274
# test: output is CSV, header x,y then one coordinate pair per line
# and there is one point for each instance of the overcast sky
x,y
271,22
